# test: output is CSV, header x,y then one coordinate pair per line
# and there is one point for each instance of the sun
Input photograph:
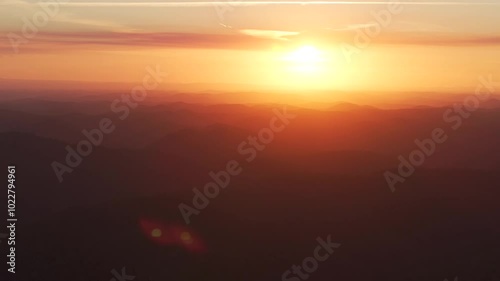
x,y
305,66
305,59
305,54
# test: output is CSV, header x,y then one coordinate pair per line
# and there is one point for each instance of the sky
x,y
413,45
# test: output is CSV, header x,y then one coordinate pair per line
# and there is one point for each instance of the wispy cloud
x,y
93,24
243,39
253,3
54,41
440,39
354,26
269,34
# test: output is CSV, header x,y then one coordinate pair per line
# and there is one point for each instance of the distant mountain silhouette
x,y
321,175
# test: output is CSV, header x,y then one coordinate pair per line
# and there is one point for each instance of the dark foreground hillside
x,y
119,208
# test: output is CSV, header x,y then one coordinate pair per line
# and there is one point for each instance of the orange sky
x,y
441,47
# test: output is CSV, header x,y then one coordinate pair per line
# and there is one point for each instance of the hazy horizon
x,y
251,140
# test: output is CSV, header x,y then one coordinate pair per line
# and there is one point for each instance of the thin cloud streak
x,y
242,39
257,3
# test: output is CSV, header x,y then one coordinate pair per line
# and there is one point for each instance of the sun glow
x,y
306,59
305,67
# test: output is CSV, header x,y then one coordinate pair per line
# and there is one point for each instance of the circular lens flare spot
x,y
156,232
186,237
